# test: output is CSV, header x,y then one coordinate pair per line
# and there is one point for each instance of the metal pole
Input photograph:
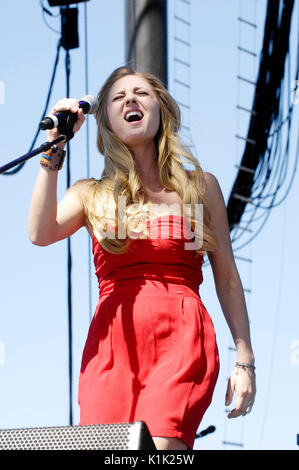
x,y
146,37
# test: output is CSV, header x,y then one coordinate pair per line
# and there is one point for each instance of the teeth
x,y
133,113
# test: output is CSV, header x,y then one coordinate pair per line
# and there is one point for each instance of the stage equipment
x,y
65,122
205,432
123,436
264,114
89,104
64,3
69,28
146,37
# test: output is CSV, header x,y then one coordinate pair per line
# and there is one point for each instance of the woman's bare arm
x,y
231,296
48,221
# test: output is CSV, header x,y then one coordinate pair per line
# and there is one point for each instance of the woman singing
x,y
151,352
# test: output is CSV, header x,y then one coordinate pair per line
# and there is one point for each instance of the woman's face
x,y
133,110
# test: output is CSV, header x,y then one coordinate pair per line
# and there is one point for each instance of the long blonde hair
x,y
120,175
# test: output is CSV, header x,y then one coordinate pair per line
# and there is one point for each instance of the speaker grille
x,y
121,436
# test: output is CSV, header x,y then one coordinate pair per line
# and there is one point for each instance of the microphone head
x,y
93,103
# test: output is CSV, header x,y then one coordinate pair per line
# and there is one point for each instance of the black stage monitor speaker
x,y
123,436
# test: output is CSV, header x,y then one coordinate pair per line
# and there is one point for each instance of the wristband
x,y
53,158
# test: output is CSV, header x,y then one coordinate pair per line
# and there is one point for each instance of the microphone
x,y
89,104
205,432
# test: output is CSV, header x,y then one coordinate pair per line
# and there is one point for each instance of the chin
x,y
138,141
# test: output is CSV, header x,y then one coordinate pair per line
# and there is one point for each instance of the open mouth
x,y
133,116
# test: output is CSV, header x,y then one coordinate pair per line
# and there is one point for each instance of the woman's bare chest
x,y
163,201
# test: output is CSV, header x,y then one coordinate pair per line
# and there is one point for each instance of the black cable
x,y
267,107
271,173
69,257
48,12
88,158
19,167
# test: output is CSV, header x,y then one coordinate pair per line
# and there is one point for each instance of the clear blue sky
x,y
33,312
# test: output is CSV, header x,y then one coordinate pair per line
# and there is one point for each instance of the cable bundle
x,y
264,169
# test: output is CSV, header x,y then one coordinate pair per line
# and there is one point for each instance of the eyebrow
x,y
136,88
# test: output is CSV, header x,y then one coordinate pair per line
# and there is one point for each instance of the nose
x,y
130,99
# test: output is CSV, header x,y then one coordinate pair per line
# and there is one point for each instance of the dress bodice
x,y
164,256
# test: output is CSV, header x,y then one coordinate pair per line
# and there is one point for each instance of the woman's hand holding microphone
x,y
71,105
53,159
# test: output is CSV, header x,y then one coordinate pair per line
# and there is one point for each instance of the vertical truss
x,y
246,50
182,60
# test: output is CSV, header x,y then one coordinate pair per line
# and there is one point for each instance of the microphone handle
x,y
49,123
59,119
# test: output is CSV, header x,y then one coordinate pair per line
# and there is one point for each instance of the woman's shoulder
x,y
209,179
85,185
210,186
213,193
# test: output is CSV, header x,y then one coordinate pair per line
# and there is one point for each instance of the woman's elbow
x,y
37,239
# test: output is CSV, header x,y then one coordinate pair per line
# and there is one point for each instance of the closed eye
x,y
137,92
117,98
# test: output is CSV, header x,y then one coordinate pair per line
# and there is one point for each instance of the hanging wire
x,y
19,167
45,12
89,248
69,256
273,178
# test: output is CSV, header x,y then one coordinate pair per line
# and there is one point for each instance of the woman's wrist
x,y
53,159
246,359
246,365
51,138
244,352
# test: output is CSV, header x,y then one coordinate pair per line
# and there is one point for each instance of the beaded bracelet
x,y
53,159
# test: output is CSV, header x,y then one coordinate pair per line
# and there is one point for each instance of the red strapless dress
x,y
151,352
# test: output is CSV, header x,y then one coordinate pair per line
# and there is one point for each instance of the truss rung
x,y
242,228
246,80
185,127
232,348
182,83
242,198
242,49
183,104
178,18
186,1
247,290
181,62
176,38
245,168
250,141
241,258
228,443
251,111
249,23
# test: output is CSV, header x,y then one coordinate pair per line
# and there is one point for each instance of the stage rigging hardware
x,y
262,172
182,62
233,432
262,166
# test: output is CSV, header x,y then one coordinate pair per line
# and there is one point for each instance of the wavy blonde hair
x,y
120,175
